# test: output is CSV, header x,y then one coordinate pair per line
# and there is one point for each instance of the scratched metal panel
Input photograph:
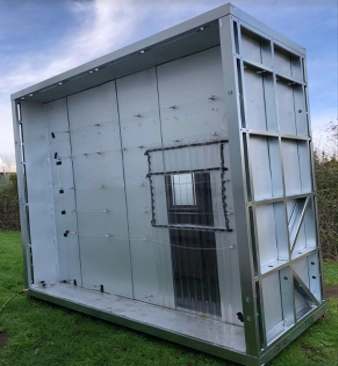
x,y
99,190
62,178
92,171
291,108
272,234
251,47
44,247
272,301
255,102
141,130
297,168
96,139
286,109
287,63
265,167
185,86
256,48
266,232
291,167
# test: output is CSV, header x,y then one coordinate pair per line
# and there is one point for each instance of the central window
x,y
189,199
183,190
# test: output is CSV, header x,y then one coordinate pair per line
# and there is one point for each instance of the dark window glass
x,y
194,259
189,199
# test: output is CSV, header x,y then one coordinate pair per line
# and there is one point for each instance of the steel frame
x,y
239,135
230,21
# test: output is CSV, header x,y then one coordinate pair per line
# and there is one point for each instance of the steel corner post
x,y
228,37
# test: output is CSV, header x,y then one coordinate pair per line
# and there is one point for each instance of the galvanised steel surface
x,y
169,187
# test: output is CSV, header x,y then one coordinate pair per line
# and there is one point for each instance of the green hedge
x,y
3,180
327,188
9,205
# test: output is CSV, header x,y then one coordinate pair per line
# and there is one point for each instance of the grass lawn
x,y
37,333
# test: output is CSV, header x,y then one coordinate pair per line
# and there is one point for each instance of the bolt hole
x,y
314,277
271,266
285,278
313,263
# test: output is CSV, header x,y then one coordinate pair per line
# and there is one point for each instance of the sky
x,y
42,38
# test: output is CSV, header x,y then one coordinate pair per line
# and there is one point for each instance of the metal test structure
x,y
169,187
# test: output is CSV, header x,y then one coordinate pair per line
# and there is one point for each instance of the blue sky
x,y
41,38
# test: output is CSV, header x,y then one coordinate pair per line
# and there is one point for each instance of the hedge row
x,y
327,188
9,205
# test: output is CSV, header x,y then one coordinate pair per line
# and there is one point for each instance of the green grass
x,y
331,273
42,334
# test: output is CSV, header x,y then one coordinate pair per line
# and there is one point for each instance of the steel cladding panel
x,y
41,213
62,179
141,130
191,94
99,190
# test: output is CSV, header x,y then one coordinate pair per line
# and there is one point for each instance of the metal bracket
x,y
299,224
303,290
